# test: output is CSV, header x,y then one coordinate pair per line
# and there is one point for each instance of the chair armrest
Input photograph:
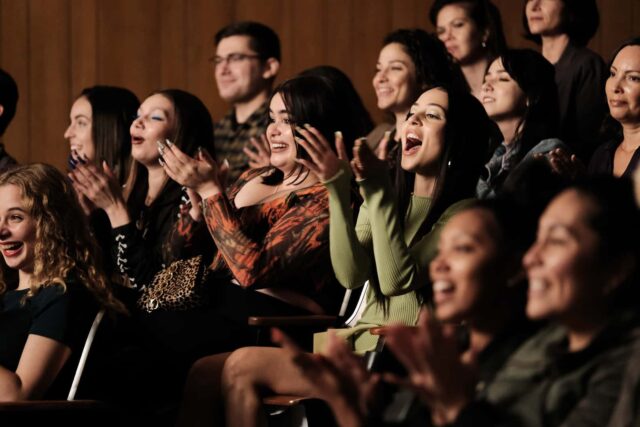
x,y
283,400
316,320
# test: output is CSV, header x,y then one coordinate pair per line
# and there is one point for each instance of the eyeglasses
x,y
232,58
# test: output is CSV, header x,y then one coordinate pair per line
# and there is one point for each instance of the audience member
x,y
246,64
519,95
409,62
61,287
472,32
563,28
620,156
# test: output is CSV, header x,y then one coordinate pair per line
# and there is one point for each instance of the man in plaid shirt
x,y
246,63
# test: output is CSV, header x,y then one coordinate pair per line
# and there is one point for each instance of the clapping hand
x,y
259,154
324,162
366,163
202,173
435,369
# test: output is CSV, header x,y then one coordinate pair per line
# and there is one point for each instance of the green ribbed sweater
x,y
380,241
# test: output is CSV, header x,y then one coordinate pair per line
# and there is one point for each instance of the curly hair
x,y
64,245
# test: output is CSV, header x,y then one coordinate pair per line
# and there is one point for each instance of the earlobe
x,y
270,69
1,110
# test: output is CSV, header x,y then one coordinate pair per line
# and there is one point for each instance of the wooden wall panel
x,y
14,46
54,48
83,45
204,18
49,72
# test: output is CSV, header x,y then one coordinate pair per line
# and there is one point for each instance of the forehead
x,y
157,101
434,96
628,57
569,208
277,103
496,65
81,106
234,44
453,11
10,196
394,52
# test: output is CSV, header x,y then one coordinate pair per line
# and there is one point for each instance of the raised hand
x,y
102,189
324,162
435,370
201,173
338,377
259,154
366,163
564,163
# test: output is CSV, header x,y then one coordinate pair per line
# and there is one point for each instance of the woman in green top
x,y
443,144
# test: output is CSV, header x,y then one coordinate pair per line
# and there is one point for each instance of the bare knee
x,y
241,367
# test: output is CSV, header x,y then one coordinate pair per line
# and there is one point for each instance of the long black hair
x,y
112,109
309,99
536,77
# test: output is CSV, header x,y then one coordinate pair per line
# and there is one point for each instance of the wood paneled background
x,y
54,48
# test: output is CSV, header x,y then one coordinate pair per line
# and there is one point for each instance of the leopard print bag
x,y
178,287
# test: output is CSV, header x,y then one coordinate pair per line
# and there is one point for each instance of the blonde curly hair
x,y
64,245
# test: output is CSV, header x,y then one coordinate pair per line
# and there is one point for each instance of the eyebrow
x,y
432,104
77,116
278,112
19,209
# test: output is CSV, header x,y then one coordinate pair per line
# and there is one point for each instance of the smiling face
x,y
17,230
564,266
241,79
459,33
466,271
502,97
80,130
395,79
623,86
156,121
423,133
280,136
544,17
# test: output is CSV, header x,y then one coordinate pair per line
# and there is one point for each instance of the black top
x,y
602,160
64,316
580,76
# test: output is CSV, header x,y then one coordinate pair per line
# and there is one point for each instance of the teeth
x,y
413,136
277,145
11,246
442,286
537,285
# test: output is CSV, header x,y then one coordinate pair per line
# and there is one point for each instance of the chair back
x,y
359,308
84,355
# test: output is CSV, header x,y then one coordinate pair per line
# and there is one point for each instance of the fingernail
x,y
160,145
387,134
298,139
338,134
307,125
169,143
161,162
199,149
225,162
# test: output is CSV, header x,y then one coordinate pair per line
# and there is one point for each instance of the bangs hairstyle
x,y
536,77
580,20
193,128
484,14
432,62
309,99
64,245
113,110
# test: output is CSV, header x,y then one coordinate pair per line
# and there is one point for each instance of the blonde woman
x,y
47,314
